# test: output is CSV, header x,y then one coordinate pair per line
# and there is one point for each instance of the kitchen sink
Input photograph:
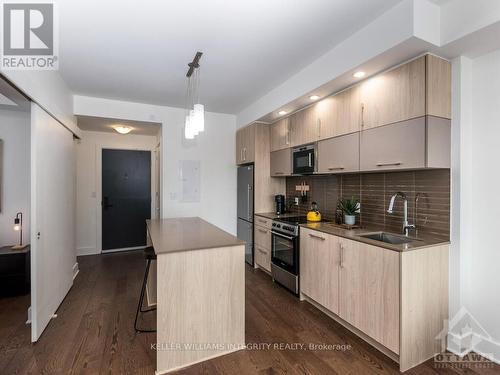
x,y
388,238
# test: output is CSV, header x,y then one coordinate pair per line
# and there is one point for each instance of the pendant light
x,y
195,111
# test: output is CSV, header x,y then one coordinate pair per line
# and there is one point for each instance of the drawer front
x,y
263,257
262,237
262,221
395,146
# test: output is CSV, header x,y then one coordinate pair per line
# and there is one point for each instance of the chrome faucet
x,y
406,225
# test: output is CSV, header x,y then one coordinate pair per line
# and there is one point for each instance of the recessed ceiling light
x,y
122,129
314,97
281,113
359,74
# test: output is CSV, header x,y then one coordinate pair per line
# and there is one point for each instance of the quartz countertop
x,y
186,234
417,241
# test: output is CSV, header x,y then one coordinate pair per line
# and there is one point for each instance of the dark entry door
x,y
126,198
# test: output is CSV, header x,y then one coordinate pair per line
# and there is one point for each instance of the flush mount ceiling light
x,y
359,74
122,129
281,113
195,112
314,97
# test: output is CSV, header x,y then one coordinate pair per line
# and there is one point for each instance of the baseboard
x,y
83,251
484,346
28,321
76,270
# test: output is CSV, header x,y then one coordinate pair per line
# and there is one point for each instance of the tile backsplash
x,y
428,193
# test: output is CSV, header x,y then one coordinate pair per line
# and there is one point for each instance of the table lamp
x,y
18,226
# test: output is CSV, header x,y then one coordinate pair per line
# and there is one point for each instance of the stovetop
x,y
293,219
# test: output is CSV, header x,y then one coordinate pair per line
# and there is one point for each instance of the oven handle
x,y
281,235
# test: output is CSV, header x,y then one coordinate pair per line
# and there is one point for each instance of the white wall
x,y
87,181
15,175
215,148
476,277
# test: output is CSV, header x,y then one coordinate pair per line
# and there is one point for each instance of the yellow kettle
x,y
314,214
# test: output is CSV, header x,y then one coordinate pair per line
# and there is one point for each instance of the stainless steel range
x,y
285,251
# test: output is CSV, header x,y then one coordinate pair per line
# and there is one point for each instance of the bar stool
x,y
149,254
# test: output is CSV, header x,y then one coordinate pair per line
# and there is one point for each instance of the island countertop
x,y
186,234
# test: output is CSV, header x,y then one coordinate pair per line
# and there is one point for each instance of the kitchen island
x,y
200,291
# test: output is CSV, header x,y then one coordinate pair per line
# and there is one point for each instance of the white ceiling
x,y
101,124
138,50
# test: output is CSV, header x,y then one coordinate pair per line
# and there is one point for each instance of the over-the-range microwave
x,y
304,159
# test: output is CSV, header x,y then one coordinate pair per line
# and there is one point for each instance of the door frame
x,y
98,200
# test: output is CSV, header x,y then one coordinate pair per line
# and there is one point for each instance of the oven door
x,y
303,161
285,252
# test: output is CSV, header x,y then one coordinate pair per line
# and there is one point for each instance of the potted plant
x,y
349,207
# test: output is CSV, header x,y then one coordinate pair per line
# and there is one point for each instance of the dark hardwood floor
x,y
94,334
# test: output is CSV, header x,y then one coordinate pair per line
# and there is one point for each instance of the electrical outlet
x,y
296,201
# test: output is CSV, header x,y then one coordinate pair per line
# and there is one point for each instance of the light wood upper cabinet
x,y
304,126
396,95
339,154
280,134
340,114
245,145
369,291
320,267
281,163
438,87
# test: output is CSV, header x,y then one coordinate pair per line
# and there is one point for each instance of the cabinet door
x,y
396,95
263,257
340,114
395,146
369,291
281,163
262,237
239,146
280,134
339,154
248,142
319,268
304,126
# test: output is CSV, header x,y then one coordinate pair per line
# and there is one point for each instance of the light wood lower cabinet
x,y
319,268
397,301
262,247
339,154
369,291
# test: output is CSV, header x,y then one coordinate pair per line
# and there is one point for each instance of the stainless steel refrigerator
x,y
245,209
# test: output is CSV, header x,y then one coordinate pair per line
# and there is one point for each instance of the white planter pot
x,y
349,219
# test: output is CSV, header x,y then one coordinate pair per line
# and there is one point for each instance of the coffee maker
x,y
280,204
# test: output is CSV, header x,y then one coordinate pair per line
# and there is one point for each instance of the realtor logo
x,y
29,36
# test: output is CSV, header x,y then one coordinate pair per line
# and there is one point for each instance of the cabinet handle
x,y
278,173
262,221
245,154
316,236
319,128
262,251
341,255
335,168
362,114
387,164
262,230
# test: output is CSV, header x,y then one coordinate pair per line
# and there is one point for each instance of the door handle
x,y
341,255
105,203
281,235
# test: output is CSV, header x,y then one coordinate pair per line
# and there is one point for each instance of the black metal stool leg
x,y
141,300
